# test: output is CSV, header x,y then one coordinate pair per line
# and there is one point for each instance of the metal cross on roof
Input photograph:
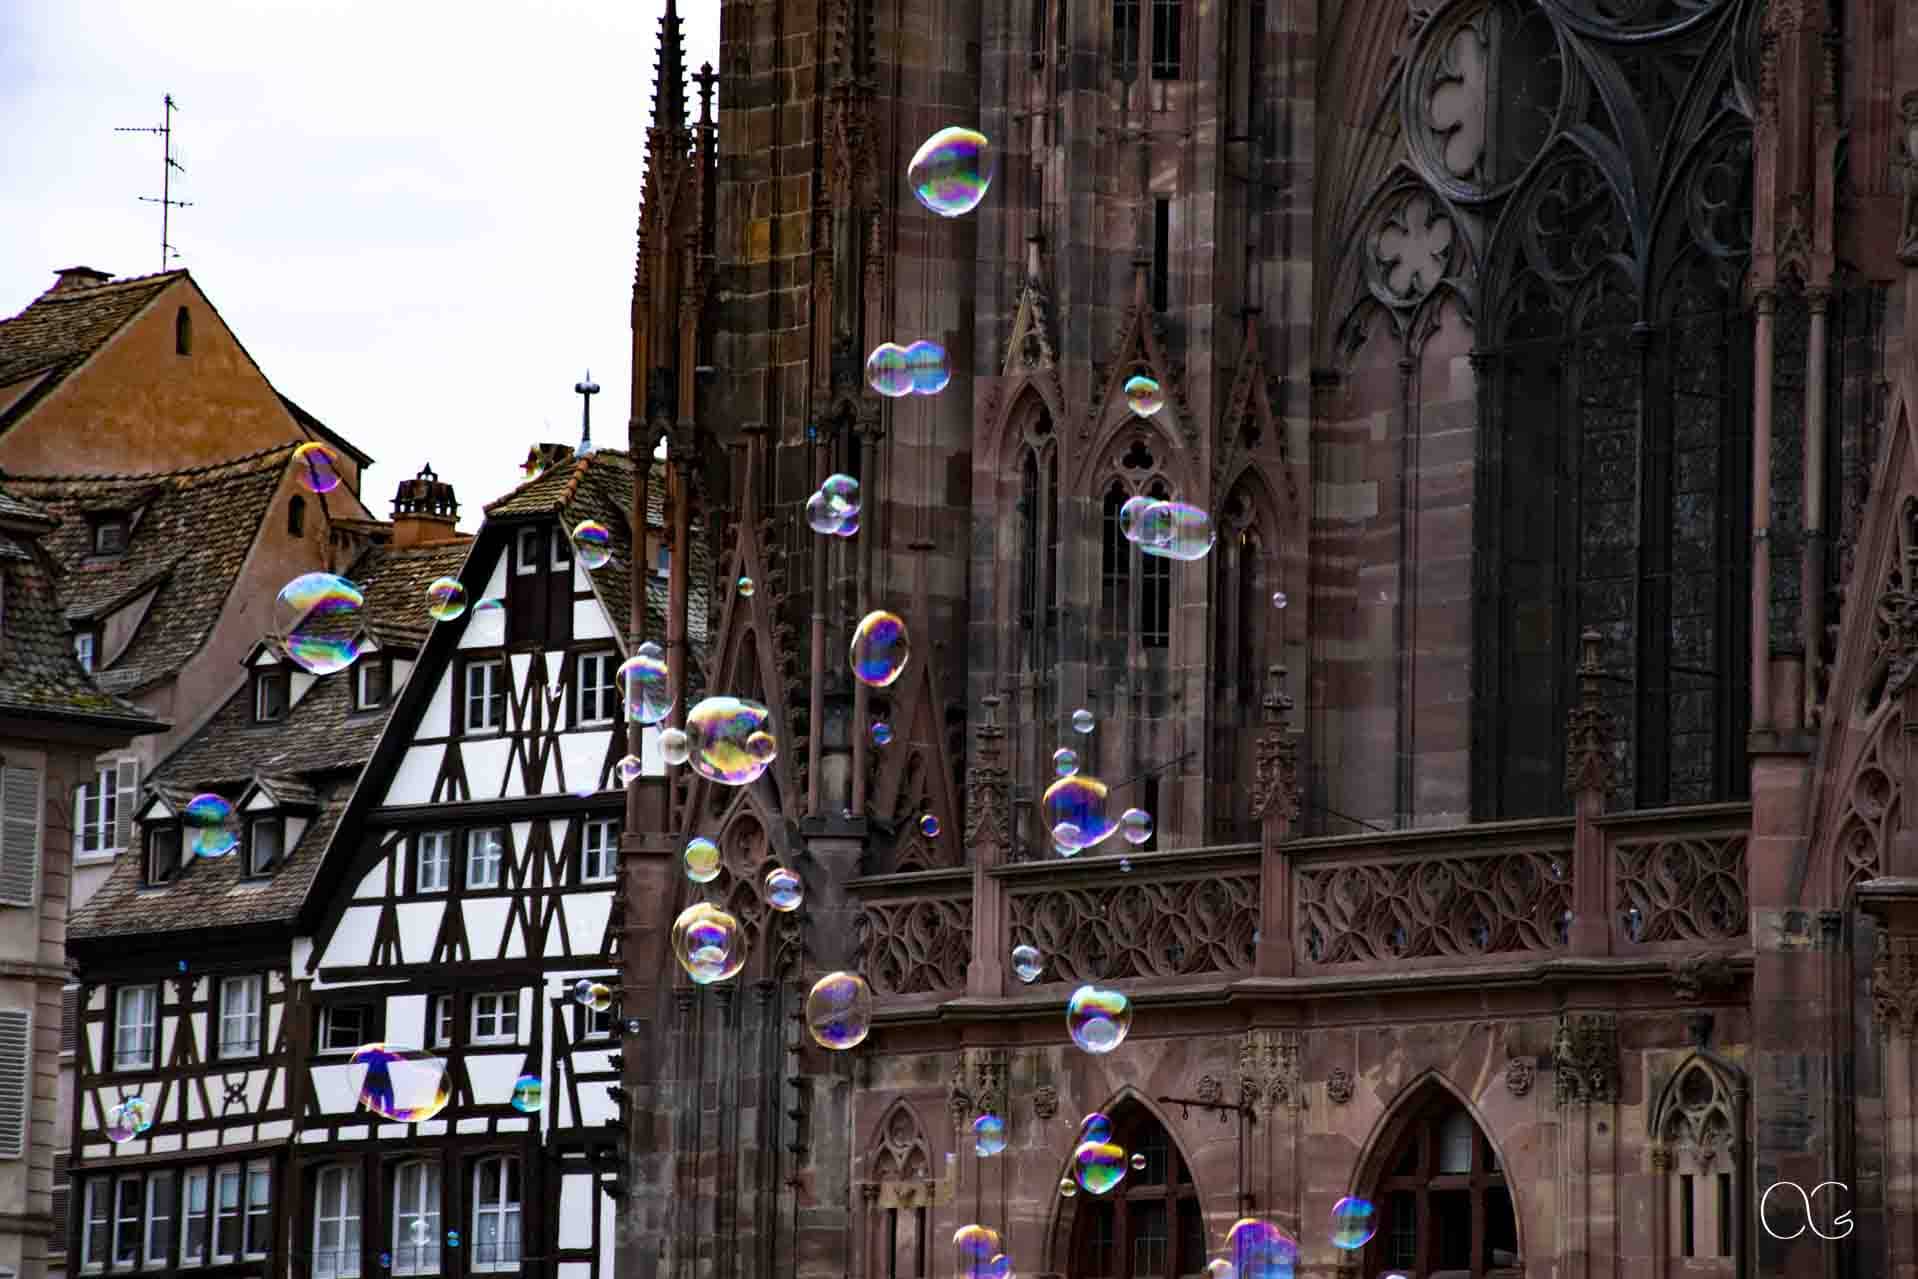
x,y
586,390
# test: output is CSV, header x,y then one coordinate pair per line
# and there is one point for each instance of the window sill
x,y
492,1041
100,858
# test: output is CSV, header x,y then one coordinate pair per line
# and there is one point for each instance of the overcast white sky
x,y
419,217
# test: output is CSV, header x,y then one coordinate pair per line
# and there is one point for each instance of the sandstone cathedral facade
x,y
1526,761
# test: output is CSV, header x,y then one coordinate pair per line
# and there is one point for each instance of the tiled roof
x,y
192,537
13,510
323,732
38,672
209,893
313,426
58,331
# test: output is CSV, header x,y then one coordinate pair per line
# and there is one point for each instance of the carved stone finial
x,y
1898,611
1589,764
1269,1069
1585,1058
1276,773
1894,985
986,818
977,1085
1908,161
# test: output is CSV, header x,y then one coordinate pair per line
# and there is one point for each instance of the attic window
x,y
182,332
83,645
269,697
163,853
374,683
110,536
529,558
296,517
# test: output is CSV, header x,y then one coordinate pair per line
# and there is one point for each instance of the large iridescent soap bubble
x,y
839,1011
127,1119
1098,1166
1027,963
1354,1222
928,367
708,943
887,371
1098,1020
405,1085
318,616
1176,531
977,1246
880,649
988,1135
1260,1250
1075,811
730,740
645,682
951,171
212,829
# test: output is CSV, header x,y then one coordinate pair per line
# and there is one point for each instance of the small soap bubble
x,y
1078,802
929,826
887,371
1082,720
708,944
1135,826
784,891
1260,1250
1098,1019
1132,513
420,1232
1143,395
386,1261
729,740
746,587
583,991
1220,1268
1176,531
1098,1166
702,860
529,1094
445,599
1278,599
927,367
881,733
1027,963
630,767
127,1119
988,1135
317,467
674,746
404,1085
594,543
951,171
839,1011
600,997
210,825
491,604
1065,761
1067,1187
452,1239
1354,1222
820,516
880,649
1138,1161
1067,839
1096,1126
1125,865
848,527
319,620
645,681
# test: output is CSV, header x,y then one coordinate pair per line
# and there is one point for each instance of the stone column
x,y
1275,806
1585,1091
1590,770
1894,997
987,836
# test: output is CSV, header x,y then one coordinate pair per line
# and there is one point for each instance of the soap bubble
x,y
1354,1222
1067,1187
211,826
1260,1250
318,616
1220,1268
1143,395
386,1261
529,1094
1135,824
708,943
1176,531
645,681
445,599
1098,1019
887,371
491,604
1278,599
929,826
317,467
1132,513
1065,761
1138,1161
674,746
1067,839
420,1232
594,542
848,527
1098,1166
1096,1126
927,367
595,995
729,741
842,493
1082,720
630,767
746,587
583,991
820,516
127,1119
1027,963
839,1011
881,732
951,171
452,1239
702,860
784,891
977,1246
1078,802
988,1134
404,1085
1125,865
880,649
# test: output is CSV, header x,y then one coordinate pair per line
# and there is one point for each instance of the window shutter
x,y
126,781
16,1078
19,835
57,1245
79,821
70,1019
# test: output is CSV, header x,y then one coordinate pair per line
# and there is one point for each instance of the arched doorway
x,y
1445,1210
1147,1227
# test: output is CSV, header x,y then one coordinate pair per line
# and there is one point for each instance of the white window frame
x,y
562,551
260,1209
504,1213
263,681
432,849
123,1060
598,850
326,1047
136,1220
600,695
336,1204
442,1022
485,869
529,540
195,1179
96,1209
595,1023
96,810
159,1208
84,650
362,699
253,864
223,1176
498,1013
491,675
251,1011
422,1178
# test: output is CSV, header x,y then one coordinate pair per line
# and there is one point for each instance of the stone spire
x,y
669,87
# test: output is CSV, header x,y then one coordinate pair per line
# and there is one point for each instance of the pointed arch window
x,y
1444,1206
902,1227
1150,1226
1038,536
1697,1157
1244,636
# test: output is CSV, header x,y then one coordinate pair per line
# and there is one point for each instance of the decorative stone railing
x,y
914,931
1430,898
1115,917
1677,879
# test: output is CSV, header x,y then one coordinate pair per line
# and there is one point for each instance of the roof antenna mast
x,y
586,390
166,201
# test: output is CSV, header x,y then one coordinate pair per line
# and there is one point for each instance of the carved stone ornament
x,y
1210,1090
1700,976
1045,1101
1894,985
1338,1086
1898,630
1269,1069
1518,1076
978,1085
1275,779
1908,161
1589,764
1585,1058
986,819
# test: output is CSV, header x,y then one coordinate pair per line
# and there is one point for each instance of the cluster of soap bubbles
x,y
895,371
833,508
404,1085
1169,530
982,1253
127,1119
595,995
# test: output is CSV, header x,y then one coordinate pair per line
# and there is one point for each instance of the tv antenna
x,y
166,201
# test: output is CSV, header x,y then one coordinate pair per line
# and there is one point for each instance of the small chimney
x,y
424,511
78,277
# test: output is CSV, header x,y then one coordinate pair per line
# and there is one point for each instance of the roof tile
x,y
59,330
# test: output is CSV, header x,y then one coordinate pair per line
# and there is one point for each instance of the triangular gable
x,y
161,804
913,775
1248,421
1140,349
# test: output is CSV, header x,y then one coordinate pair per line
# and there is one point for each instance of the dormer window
x,y
528,553
163,853
562,550
266,844
269,697
110,536
373,682
83,645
